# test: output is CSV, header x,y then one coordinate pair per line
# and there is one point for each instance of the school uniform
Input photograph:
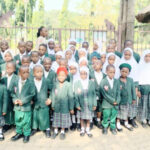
x,y
110,93
85,99
52,57
118,54
23,91
1,57
41,118
62,103
18,58
3,104
127,95
10,82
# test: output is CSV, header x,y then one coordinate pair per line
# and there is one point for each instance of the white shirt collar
x,y
38,84
98,76
9,80
111,81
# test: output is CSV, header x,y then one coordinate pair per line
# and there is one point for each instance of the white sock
x,y
56,131
87,130
1,130
73,119
148,121
82,129
118,125
91,121
48,129
98,119
62,131
144,121
78,120
126,124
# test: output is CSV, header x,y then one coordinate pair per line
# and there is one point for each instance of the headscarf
x,y
50,51
83,59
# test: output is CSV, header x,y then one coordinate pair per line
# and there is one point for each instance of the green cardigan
x,y
91,97
3,99
111,95
62,98
26,95
127,91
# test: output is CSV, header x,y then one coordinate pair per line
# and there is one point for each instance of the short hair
x,y
26,56
29,42
127,41
12,62
23,67
37,66
44,45
110,66
34,52
47,58
85,43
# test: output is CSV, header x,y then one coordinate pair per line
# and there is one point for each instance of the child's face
x,y
22,47
84,45
147,58
110,49
63,63
103,58
61,76
111,73
113,43
95,46
97,66
8,57
68,55
94,59
82,54
47,64
29,46
35,57
73,70
57,48
38,73
10,69
58,58
129,44
111,60
4,46
25,62
127,55
124,72
83,75
44,32
24,73
51,45
42,50
83,63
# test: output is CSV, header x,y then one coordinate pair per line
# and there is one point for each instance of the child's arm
x,y
133,91
94,96
5,100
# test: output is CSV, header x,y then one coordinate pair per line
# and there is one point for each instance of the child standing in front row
x,y
22,95
41,103
62,103
86,103
110,99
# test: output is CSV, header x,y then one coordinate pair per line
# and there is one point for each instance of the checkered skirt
x,y
2,121
61,120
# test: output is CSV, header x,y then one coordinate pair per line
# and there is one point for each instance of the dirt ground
x,y
139,139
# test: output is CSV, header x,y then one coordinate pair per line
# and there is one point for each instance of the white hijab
x,y
85,83
144,70
83,50
50,51
134,71
116,65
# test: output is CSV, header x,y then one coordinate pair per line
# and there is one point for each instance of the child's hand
x,y
31,102
139,94
72,112
79,108
115,103
48,102
94,108
16,102
20,102
4,114
134,101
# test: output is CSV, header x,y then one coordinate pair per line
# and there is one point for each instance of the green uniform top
x,y
109,96
127,91
136,56
119,54
17,59
1,59
3,99
26,95
62,98
79,95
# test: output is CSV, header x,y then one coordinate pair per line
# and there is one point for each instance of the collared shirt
x,y
9,80
55,66
21,55
21,84
38,84
111,82
98,76
46,73
51,52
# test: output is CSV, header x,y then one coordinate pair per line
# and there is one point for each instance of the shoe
x,y
82,134
2,137
73,127
6,128
113,131
33,132
54,135
144,125
90,135
133,123
78,127
26,139
99,125
129,128
62,136
104,131
91,125
119,130
16,137
47,133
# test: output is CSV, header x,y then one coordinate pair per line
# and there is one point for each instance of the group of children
x,y
72,89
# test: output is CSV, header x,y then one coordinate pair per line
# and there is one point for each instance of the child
x,y
22,52
128,58
97,46
83,62
97,77
9,81
22,95
73,77
35,59
127,95
144,87
3,46
110,99
25,61
85,45
103,57
82,53
57,48
41,103
68,55
85,100
51,45
55,64
3,108
62,103
29,47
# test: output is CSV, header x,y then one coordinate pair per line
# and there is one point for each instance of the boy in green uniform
x,y
110,99
41,103
29,47
22,96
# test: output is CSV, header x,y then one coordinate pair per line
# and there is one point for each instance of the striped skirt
x,y
61,120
